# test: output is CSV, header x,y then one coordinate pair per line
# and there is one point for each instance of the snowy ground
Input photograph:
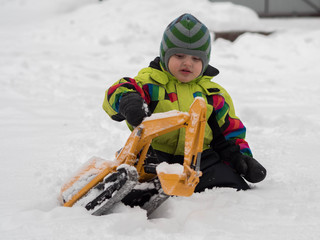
x,y
58,57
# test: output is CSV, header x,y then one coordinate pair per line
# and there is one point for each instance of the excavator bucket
x,y
176,184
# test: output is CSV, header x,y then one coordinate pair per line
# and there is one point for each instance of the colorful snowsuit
x,y
163,92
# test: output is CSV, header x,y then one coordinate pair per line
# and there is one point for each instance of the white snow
x,y
170,168
57,58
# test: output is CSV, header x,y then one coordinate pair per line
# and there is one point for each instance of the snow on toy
x,y
99,184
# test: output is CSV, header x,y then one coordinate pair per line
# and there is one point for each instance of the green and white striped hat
x,y
186,35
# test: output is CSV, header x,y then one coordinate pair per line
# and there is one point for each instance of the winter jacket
x,y
163,92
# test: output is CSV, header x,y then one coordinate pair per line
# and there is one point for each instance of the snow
x,y
59,57
170,168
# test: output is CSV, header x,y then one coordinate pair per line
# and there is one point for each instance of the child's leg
x,y
148,195
215,173
141,194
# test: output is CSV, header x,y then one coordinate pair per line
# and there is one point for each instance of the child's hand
x,y
250,168
133,108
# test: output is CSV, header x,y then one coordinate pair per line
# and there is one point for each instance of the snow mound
x,y
33,11
170,168
227,16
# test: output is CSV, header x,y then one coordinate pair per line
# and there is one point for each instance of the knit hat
x,y
186,35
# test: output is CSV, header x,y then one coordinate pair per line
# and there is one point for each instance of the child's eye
x,y
178,55
196,59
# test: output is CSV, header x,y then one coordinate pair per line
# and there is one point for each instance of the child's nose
x,y
187,62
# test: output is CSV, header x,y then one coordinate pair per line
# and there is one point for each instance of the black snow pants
x,y
215,173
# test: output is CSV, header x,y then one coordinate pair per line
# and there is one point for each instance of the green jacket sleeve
x,y
114,93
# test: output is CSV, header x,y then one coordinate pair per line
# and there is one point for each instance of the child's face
x,y
185,67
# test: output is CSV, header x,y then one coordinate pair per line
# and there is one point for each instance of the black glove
x,y
250,168
132,107
246,166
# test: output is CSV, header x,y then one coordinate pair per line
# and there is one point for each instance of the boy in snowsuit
x,y
171,82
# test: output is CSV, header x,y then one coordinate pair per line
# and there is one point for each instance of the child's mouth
x,y
185,71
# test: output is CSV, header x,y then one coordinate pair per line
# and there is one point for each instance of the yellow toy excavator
x,y
99,184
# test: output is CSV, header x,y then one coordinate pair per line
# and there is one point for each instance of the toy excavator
x,y
99,184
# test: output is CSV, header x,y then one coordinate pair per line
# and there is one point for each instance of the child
x,y
171,82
